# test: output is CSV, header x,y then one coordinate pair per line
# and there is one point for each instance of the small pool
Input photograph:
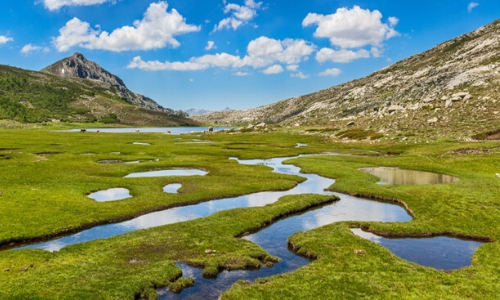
x,y
440,252
172,188
172,172
110,195
399,176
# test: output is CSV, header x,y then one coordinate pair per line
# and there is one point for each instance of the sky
x,y
240,54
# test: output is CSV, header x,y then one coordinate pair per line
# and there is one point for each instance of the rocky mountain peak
x,y
78,66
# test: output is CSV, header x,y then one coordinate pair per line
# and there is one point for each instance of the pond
x,y
110,195
408,177
172,188
172,172
440,252
167,130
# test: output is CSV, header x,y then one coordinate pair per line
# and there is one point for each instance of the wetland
x,y
272,221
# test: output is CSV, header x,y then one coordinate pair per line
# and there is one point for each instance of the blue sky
x,y
240,54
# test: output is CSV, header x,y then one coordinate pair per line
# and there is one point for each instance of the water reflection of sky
x,y
161,173
172,188
348,208
439,252
110,195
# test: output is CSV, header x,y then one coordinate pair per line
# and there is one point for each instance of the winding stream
x,y
273,239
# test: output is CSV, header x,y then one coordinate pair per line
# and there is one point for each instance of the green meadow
x,y
45,177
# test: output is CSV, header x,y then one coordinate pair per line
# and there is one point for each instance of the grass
x,y
45,194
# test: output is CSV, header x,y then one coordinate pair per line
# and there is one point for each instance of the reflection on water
x,y
141,143
300,145
172,188
175,172
441,252
408,177
110,195
168,130
273,239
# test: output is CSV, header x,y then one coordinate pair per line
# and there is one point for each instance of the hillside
x,y
29,96
451,90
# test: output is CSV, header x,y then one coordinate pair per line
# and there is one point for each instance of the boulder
x,y
394,108
432,121
350,123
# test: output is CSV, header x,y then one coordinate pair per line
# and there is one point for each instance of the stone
x,y
359,251
432,121
261,125
428,99
394,108
350,123
449,103
250,126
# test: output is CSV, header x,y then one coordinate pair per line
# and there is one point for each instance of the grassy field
x,y
45,177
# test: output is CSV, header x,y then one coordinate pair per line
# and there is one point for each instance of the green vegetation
x,y
45,177
359,134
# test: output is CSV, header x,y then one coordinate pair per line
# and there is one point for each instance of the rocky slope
x,y
78,66
452,90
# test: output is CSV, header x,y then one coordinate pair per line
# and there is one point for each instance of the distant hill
x,y
193,112
83,92
451,90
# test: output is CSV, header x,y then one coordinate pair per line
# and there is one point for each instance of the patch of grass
x,y
359,134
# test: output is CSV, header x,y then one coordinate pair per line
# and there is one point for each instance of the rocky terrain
x,y
78,66
450,90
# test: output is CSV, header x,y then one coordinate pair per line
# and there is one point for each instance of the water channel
x,y
273,239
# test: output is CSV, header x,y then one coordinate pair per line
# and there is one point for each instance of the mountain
x,y
193,112
451,89
34,97
78,66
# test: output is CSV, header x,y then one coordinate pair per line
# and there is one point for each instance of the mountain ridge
x,y
451,87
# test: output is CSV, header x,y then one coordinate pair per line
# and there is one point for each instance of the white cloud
x,y
292,68
240,15
352,28
340,56
56,4
261,53
331,72
241,73
30,48
299,75
4,39
471,6
155,30
210,45
274,69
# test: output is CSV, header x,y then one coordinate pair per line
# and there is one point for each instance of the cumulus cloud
x,y
331,72
56,4
274,69
292,68
299,75
32,48
4,40
340,56
352,28
262,52
156,30
240,14
210,45
471,6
